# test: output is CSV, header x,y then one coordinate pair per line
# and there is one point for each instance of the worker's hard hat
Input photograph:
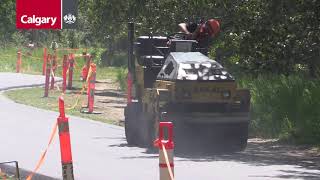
x,y
214,25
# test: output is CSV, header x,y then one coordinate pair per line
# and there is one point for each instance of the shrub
x,y
285,107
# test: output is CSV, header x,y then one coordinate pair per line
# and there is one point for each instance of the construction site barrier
x,y
19,62
54,67
71,66
85,69
44,61
48,73
68,65
166,149
21,55
65,144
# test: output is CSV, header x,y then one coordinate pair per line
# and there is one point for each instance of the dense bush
x,y
286,107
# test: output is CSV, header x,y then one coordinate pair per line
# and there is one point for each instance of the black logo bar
x,y
69,14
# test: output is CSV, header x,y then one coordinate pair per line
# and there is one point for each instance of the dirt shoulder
x,y
110,101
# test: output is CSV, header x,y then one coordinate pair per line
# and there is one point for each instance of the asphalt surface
x,y
17,80
100,151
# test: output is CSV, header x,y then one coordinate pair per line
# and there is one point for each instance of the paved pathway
x,y
17,80
100,151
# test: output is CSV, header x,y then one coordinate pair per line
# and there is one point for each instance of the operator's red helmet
x,y
213,26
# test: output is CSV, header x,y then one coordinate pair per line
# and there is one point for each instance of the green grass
x,y
34,97
8,59
33,64
109,73
121,78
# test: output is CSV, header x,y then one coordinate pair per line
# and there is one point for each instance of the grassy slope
x,y
34,97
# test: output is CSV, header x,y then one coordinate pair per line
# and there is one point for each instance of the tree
x,y
7,19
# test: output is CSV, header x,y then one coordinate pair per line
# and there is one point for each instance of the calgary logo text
x,y
38,20
69,18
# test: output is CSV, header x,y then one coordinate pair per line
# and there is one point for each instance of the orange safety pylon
x,y
65,143
19,62
88,60
84,73
48,70
91,87
166,149
54,68
85,68
71,66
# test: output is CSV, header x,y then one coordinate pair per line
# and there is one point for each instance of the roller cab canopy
x,y
192,66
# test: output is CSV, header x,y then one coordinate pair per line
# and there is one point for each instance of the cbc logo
x,y
69,18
